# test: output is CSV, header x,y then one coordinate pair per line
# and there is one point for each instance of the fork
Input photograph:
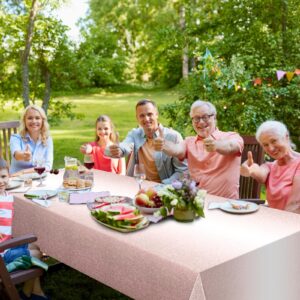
x,y
44,197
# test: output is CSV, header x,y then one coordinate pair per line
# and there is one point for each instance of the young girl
x,y
105,136
32,288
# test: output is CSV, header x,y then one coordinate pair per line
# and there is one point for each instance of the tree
x,y
25,56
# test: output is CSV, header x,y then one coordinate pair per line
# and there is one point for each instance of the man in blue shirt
x,y
138,144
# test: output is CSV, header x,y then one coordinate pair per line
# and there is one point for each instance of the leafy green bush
x,y
241,105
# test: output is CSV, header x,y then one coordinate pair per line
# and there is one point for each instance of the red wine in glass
x,y
39,170
89,165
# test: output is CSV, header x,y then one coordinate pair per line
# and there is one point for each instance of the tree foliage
x,y
249,40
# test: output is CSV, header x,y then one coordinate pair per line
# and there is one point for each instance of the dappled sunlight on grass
x,y
70,134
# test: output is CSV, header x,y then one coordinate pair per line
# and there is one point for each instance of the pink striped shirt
x,y
6,217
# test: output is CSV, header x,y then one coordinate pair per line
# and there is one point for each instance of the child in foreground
x,y
32,288
105,135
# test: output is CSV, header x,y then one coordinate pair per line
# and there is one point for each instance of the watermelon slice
x,y
118,209
128,217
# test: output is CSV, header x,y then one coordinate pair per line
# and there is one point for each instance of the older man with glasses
x,y
214,156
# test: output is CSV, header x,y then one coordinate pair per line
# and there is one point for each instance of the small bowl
x,y
146,210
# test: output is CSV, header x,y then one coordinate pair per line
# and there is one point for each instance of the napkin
x,y
154,219
82,198
45,203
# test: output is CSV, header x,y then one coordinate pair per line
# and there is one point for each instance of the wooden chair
x,y
6,130
250,188
9,280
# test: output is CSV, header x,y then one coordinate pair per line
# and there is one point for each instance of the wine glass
x,y
88,161
139,174
39,167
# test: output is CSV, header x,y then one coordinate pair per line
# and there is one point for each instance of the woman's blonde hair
x,y
44,134
105,118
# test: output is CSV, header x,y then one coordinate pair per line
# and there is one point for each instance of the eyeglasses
x,y
204,118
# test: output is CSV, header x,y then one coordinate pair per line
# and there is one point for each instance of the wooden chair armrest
x,y
24,239
255,200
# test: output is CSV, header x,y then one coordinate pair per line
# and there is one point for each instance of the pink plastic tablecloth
x,y
223,256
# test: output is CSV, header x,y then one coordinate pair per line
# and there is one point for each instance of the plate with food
x,y
148,201
239,207
13,184
107,200
77,184
112,200
119,216
33,176
40,194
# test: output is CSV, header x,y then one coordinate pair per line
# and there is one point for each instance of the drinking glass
x,y
139,174
39,167
88,161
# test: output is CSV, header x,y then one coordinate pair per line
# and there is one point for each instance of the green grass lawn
x,y
64,283
120,106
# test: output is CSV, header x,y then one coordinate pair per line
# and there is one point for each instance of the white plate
x,y
113,199
13,184
38,194
143,224
33,176
250,207
75,189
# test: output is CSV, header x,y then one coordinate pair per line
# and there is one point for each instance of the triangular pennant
x,y
289,75
207,54
280,74
257,81
297,71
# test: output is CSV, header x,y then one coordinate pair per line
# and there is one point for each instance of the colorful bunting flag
x,y
297,71
207,54
280,74
289,76
257,81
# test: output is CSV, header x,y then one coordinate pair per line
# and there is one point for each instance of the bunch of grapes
x,y
54,171
156,199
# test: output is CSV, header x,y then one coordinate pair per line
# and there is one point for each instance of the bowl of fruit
x,y
147,201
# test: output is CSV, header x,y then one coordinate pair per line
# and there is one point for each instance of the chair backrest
x,y
6,130
9,280
250,188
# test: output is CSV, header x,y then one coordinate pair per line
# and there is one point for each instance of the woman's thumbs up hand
x,y
249,167
250,161
27,156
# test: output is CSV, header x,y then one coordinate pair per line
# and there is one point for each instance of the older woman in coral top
x,y
282,176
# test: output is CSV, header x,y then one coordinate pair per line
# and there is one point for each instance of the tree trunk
x,y
284,14
26,53
47,95
185,57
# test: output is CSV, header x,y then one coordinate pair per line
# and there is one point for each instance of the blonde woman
x,y
33,141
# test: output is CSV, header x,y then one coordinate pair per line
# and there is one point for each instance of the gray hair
x,y
200,103
276,127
